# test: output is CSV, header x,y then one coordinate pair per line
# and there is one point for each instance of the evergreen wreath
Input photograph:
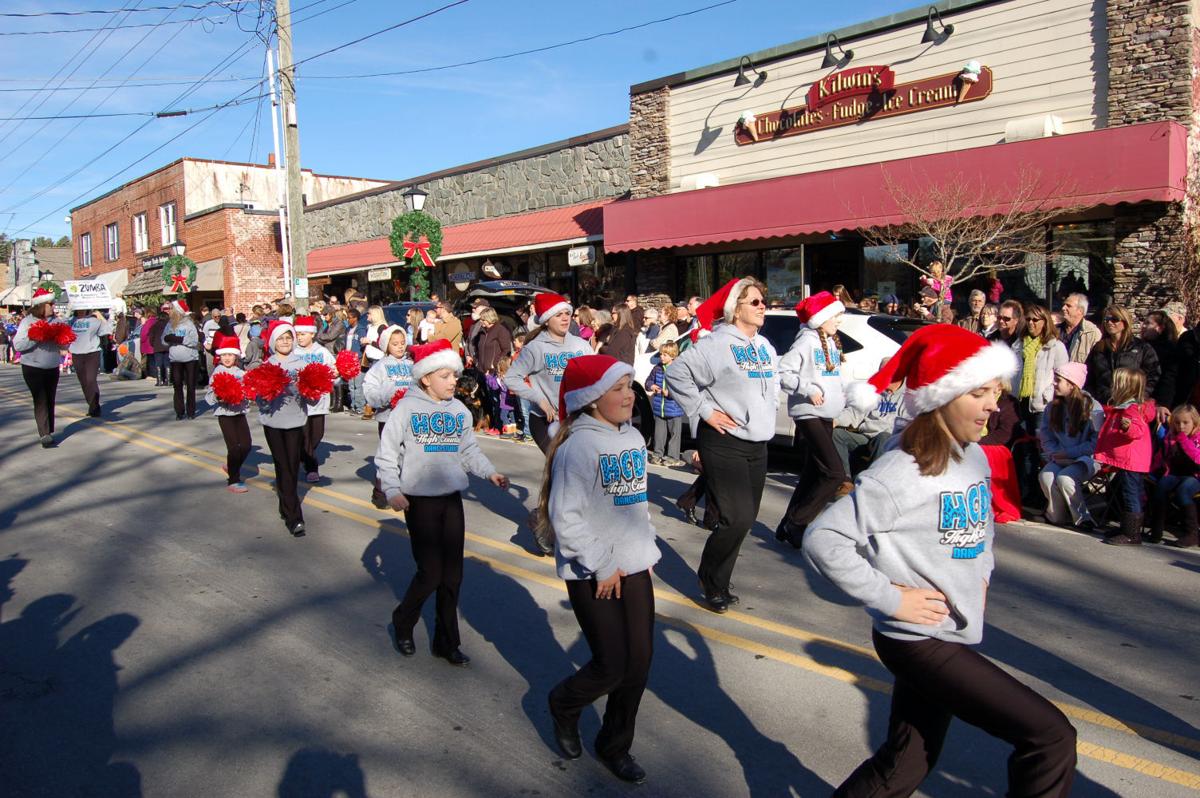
x,y
178,264
413,226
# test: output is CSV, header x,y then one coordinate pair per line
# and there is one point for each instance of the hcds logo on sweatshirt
x,y
556,362
624,476
438,432
755,361
963,519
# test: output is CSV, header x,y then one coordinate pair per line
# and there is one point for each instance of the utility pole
x,y
291,148
280,179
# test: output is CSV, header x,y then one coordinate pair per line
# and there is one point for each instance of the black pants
x,y
936,681
286,446
823,474
620,633
436,529
735,472
691,497
87,366
539,428
183,375
314,433
162,365
236,432
43,385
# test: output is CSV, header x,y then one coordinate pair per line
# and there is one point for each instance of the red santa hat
x,y
586,378
227,344
41,296
428,358
276,328
180,306
385,337
305,324
938,364
720,305
547,305
818,309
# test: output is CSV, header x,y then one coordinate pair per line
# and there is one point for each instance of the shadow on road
x,y
321,773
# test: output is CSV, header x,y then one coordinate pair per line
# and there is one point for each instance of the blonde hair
x,y
1182,412
670,349
285,309
751,282
375,315
503,365
489,315
1128,385
930,443
540,520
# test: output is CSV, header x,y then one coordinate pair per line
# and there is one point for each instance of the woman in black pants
x,y
184,341
85,350
39,364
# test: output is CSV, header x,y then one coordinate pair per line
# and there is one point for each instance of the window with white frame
x,y
141,235
112,241
85,250
166,221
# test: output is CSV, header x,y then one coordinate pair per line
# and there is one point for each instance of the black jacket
x,y
1189,367
1101,364
493,344
1167,352
621,344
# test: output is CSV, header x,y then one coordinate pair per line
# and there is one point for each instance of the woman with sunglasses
x,y
1119,348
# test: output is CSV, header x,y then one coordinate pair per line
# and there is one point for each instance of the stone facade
x,y
1150,241
578,170
650,150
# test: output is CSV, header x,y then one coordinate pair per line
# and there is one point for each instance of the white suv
x,y
867,338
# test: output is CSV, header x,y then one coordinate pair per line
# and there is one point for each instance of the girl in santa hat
x,y
537,372
85,354
913,542
183,338
231,415
391,374
314,428
594,499
39,360
426,453
283,419
728,380
813,375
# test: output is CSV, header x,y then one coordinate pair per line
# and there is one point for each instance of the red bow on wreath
x,y
411,248
179,284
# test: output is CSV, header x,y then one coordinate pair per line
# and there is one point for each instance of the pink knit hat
x,y
1074,373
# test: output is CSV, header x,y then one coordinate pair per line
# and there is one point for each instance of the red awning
x,y
567,225
1133,163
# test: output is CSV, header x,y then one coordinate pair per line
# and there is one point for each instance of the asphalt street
x,y
160,636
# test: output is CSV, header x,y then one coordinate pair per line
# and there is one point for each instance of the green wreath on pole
x,y
179,275
417,239
53,287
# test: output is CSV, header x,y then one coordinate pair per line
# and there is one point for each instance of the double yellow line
x,y
171,448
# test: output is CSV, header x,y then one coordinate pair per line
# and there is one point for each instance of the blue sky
x,y
388,128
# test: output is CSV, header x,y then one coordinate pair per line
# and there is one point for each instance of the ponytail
x,y
542,528
830,366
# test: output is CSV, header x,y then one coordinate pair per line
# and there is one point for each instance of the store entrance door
x,y
833,263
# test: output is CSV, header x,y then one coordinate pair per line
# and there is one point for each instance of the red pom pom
x,y
227,388
267,382
348,365
42,331
396,397
64,335
314,381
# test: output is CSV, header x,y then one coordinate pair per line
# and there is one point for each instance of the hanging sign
x,y
380,275
87,294
581,256
856,82
847,103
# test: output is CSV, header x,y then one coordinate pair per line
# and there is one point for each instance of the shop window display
x,y
785,275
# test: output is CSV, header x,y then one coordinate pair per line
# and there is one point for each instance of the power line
x,y
214,20
127,85
225,3
362,39
151,114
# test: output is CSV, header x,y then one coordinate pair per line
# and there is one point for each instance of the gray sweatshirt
x,y
220,409
598,505
880,420
87,334
189,350
543,360
387,376
1079,447
37,354
803,375
428,448
287,411
315,353
901,528
730,372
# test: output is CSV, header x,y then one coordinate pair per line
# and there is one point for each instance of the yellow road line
x,y
1090,750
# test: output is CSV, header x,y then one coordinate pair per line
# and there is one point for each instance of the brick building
x,y
222,212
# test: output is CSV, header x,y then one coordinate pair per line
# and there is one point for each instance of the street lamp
x,y
414,199
47,277
178,248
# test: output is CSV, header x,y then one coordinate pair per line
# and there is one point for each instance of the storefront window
x,y
736,264
785,275
1083,261
884,273
697,274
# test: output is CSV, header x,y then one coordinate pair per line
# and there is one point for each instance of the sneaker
x,y
494,433
312,478
654,459
237,487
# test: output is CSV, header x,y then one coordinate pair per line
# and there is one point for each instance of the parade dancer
x,y
537,371
85,354
37,342
283,418
390,374
181,336
426,452
728,381
913,542
227,397
314,429
594,499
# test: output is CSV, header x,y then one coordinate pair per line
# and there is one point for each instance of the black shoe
x,y
717,602
730,598
94,413
690,516
47,441
786,533
191,416
297,529
456,657
625,768
179,416
566,734
406,646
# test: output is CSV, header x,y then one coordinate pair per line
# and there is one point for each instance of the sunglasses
x,y
1112,319
1007,318
754,302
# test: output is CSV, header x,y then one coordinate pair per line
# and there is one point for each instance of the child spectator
x,y
668,415
1068,440
940,282
1180,480
504,424
1124,444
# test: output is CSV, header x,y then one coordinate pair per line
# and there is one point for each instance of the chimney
x,y
270,159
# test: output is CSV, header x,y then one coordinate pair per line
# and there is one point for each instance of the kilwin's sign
x,y
852,97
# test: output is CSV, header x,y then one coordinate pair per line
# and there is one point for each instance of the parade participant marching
x,y
426,452
537,371
282,413
181,336
728,381
314,429
391,373
913,542
85,353
227,396
594,499
38,340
